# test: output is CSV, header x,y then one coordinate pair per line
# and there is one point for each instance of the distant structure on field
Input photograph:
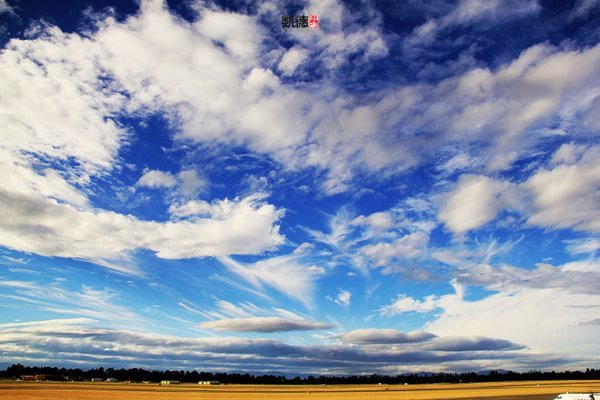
x,y
208,383
43,377
165,382
578,396
112,380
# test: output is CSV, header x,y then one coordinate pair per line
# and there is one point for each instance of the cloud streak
x,y
384,336
73,337
263,324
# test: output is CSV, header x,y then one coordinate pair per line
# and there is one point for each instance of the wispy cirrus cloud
x,y
288,274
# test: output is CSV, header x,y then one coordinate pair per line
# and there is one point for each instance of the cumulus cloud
x,y
42,226
404,304
343,298
292,59
560,196
156,179
187,183
567,153
384,336
377,220
235,100
263,324
475,201
340,37
190,183
74,90
566,196
230,94
498,106
407,247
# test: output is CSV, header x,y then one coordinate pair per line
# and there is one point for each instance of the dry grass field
x,y
480,391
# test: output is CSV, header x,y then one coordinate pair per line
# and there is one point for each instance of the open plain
x,y
475,391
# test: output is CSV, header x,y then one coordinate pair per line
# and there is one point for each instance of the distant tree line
x,y
15,371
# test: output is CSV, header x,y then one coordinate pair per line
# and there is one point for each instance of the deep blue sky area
x,y
408,186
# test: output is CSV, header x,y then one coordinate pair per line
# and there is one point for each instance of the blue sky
x,y
411,186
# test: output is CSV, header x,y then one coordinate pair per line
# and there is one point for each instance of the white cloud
x,y
186,183
340,227
405,304
101,304
190,183
292,59
72,88
377,220
562,196
566,196
240,34
197,208
497,107
287,274
263,324
43,226
407,247
156,179
523,304
18,284
582,246
339,37
56,105
567,153
227,93
544,319
343,298
5,7
468,12
475,201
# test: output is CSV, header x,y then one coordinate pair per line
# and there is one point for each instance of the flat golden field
x,y
481,391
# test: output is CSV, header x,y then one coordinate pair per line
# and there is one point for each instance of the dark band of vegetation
x,y
140,375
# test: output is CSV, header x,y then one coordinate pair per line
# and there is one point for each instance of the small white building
x,y
165,382
208,383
